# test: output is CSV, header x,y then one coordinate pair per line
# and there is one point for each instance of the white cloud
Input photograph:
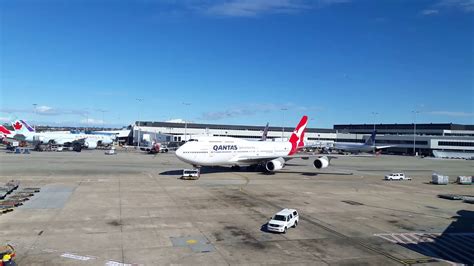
x,y
43,109
429,12
252,109
451,113
252,8
176,120
92,121
464,5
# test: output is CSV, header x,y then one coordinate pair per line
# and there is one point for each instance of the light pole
x,y
34,111
185,120
375,115
87,120
414,131
139,100
283,126
103,121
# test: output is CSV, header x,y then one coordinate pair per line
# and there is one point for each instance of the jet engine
x,y
107,141
275,164
40,139
321,162
90,144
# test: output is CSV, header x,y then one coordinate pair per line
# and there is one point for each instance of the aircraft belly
x,y
212,159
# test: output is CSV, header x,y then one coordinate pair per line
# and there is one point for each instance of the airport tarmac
x,y
131,208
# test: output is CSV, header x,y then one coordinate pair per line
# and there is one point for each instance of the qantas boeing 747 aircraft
x,y
228,151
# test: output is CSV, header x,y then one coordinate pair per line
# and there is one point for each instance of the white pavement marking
x,y
76,257
115,263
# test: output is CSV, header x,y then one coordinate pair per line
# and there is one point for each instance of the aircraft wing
x,y
259,159
383,147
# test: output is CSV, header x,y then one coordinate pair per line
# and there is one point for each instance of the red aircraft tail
x,y
297,138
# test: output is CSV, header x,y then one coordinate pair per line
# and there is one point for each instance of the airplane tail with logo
x,y
265,133
297,137
21,127
4,132
371,141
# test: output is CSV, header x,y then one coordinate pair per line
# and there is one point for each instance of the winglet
x,y
297,138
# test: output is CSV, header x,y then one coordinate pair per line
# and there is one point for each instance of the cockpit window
x,y
192,140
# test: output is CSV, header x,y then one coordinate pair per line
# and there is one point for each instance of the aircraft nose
x,y
179,153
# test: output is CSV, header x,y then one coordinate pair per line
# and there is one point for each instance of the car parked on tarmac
x,y
283,220
397,176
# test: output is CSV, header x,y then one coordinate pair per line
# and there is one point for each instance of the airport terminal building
x,y
442,140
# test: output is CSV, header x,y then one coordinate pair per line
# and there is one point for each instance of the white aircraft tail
x,y
21,127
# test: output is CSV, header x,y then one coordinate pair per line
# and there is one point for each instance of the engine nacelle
x,y
275,164
39,139
90,144
106,141
321,162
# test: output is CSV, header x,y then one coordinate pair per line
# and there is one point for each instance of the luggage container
x,y
439,179
464,180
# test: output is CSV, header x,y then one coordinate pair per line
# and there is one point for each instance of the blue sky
x,y
237,61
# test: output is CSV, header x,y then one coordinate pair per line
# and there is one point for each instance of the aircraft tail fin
x,y
370,141
4,130
297,138
20,126
265,133
30,129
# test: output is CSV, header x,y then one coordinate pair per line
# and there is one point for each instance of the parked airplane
x,y
25,132
235,152
368,146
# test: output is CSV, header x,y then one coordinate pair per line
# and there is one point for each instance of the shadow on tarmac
x,y
264,229
317,173
213,169
455,244
261,171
